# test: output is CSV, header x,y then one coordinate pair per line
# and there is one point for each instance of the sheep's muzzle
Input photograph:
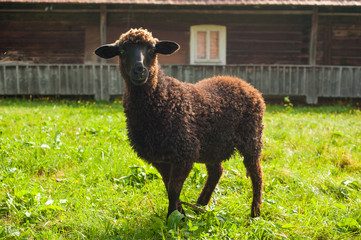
x,y
139,74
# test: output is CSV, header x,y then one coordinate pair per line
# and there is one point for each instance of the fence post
x,y
311,92
96,83
3,85
313,37
104,81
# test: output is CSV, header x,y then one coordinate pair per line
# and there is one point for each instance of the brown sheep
x,y
172,124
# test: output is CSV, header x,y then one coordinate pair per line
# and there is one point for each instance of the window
x,y
208,44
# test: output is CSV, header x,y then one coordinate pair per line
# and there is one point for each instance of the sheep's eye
x,y
121,52
152,50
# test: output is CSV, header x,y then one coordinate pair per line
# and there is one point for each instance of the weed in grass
x,y
139,176
288,105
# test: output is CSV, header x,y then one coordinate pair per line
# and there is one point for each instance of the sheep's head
x,y
137,51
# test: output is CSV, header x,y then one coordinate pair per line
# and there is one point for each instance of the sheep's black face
x,y
136,59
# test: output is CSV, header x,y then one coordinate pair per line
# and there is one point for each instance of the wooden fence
x,y
103,81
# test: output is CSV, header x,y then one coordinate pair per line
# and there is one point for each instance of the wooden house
x,y
306,48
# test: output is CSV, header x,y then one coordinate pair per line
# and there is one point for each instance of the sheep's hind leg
x,y
178,174
164,170
214,174
254,171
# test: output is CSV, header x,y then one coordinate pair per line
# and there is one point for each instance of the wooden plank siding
x,y
103,80
67,37
43,45
265,35
339,40
44,37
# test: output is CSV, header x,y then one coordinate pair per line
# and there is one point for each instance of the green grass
x,y
67,172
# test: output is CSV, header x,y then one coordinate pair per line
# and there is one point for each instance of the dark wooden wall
x,y
44,37
269,39
42,43
339,40
70,37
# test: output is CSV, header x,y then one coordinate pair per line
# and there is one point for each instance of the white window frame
x,y
222,45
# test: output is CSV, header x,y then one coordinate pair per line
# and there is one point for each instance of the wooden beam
x,y
103,24
190,11
103,27
313,38
171,11
354,14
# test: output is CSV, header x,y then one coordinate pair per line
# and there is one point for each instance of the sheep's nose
x,y
139,74
139,68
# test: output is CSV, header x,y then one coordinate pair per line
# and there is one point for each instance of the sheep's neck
x,y
141,95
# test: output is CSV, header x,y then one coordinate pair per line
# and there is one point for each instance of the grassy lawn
x,y
67,172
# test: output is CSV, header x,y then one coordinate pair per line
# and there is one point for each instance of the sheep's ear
x,y
107,50
166,47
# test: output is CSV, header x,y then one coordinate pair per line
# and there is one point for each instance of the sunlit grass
x,y
67,172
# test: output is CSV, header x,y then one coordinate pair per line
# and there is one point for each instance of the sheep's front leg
x,y
178,174
214,174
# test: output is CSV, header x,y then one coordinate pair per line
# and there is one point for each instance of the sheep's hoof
x,y
202,202
255,212
179,208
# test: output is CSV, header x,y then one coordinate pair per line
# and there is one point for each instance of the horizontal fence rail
x,y
103,80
